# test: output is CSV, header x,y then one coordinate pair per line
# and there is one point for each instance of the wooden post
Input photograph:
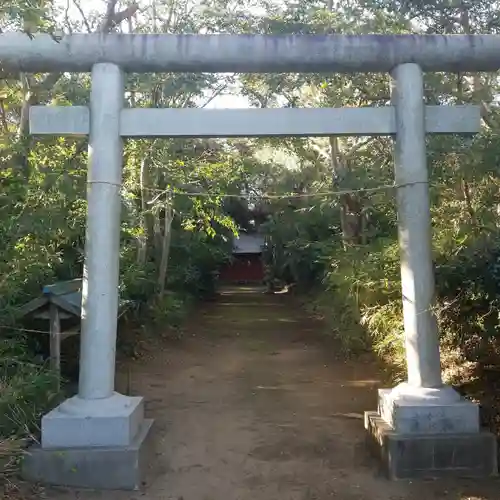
x,y
55,342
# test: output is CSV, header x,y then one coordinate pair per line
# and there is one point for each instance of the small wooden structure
x,y
246,265
60,301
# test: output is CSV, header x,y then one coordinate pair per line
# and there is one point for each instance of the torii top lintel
x,y
249,53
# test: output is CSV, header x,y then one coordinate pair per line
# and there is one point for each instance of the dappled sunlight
x,y
280,320
241,290
361,383
264,305
85,293
478,498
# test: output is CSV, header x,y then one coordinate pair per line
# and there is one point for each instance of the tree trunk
x,y
468,202
350,204
147,243
165,253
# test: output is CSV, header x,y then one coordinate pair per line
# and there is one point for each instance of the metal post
x,y
101,272
414,224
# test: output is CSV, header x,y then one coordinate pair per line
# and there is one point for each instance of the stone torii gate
x,y
422,427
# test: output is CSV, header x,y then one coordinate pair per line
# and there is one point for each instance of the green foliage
x,y
27,389
26,14
137,281
198,273
298,240
170,310
468,287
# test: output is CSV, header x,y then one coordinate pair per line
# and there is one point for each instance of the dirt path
x,y
254,405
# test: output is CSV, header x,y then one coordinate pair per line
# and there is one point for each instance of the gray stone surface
x,y
244,53
78,423
101,274
414,228
111,468
414,415
429,456
171,122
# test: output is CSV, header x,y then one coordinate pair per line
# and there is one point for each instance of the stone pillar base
x,y
416,410
430,456
91,444
429,433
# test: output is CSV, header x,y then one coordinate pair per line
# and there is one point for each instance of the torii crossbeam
x,y
250,53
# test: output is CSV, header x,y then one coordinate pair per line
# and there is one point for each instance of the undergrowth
x,y
27,390
361,301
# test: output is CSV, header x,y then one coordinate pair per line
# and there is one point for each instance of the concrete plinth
x,y
91,444
113,421
110,468
409,410
427,456
428,433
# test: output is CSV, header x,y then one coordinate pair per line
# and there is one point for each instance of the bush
x,y
171,310
196,272
361,299
468,288
300,243
27,390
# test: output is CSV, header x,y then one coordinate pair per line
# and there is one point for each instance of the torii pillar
x,y
94,439
422,428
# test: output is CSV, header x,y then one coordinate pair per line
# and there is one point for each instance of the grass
x,y
27,390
